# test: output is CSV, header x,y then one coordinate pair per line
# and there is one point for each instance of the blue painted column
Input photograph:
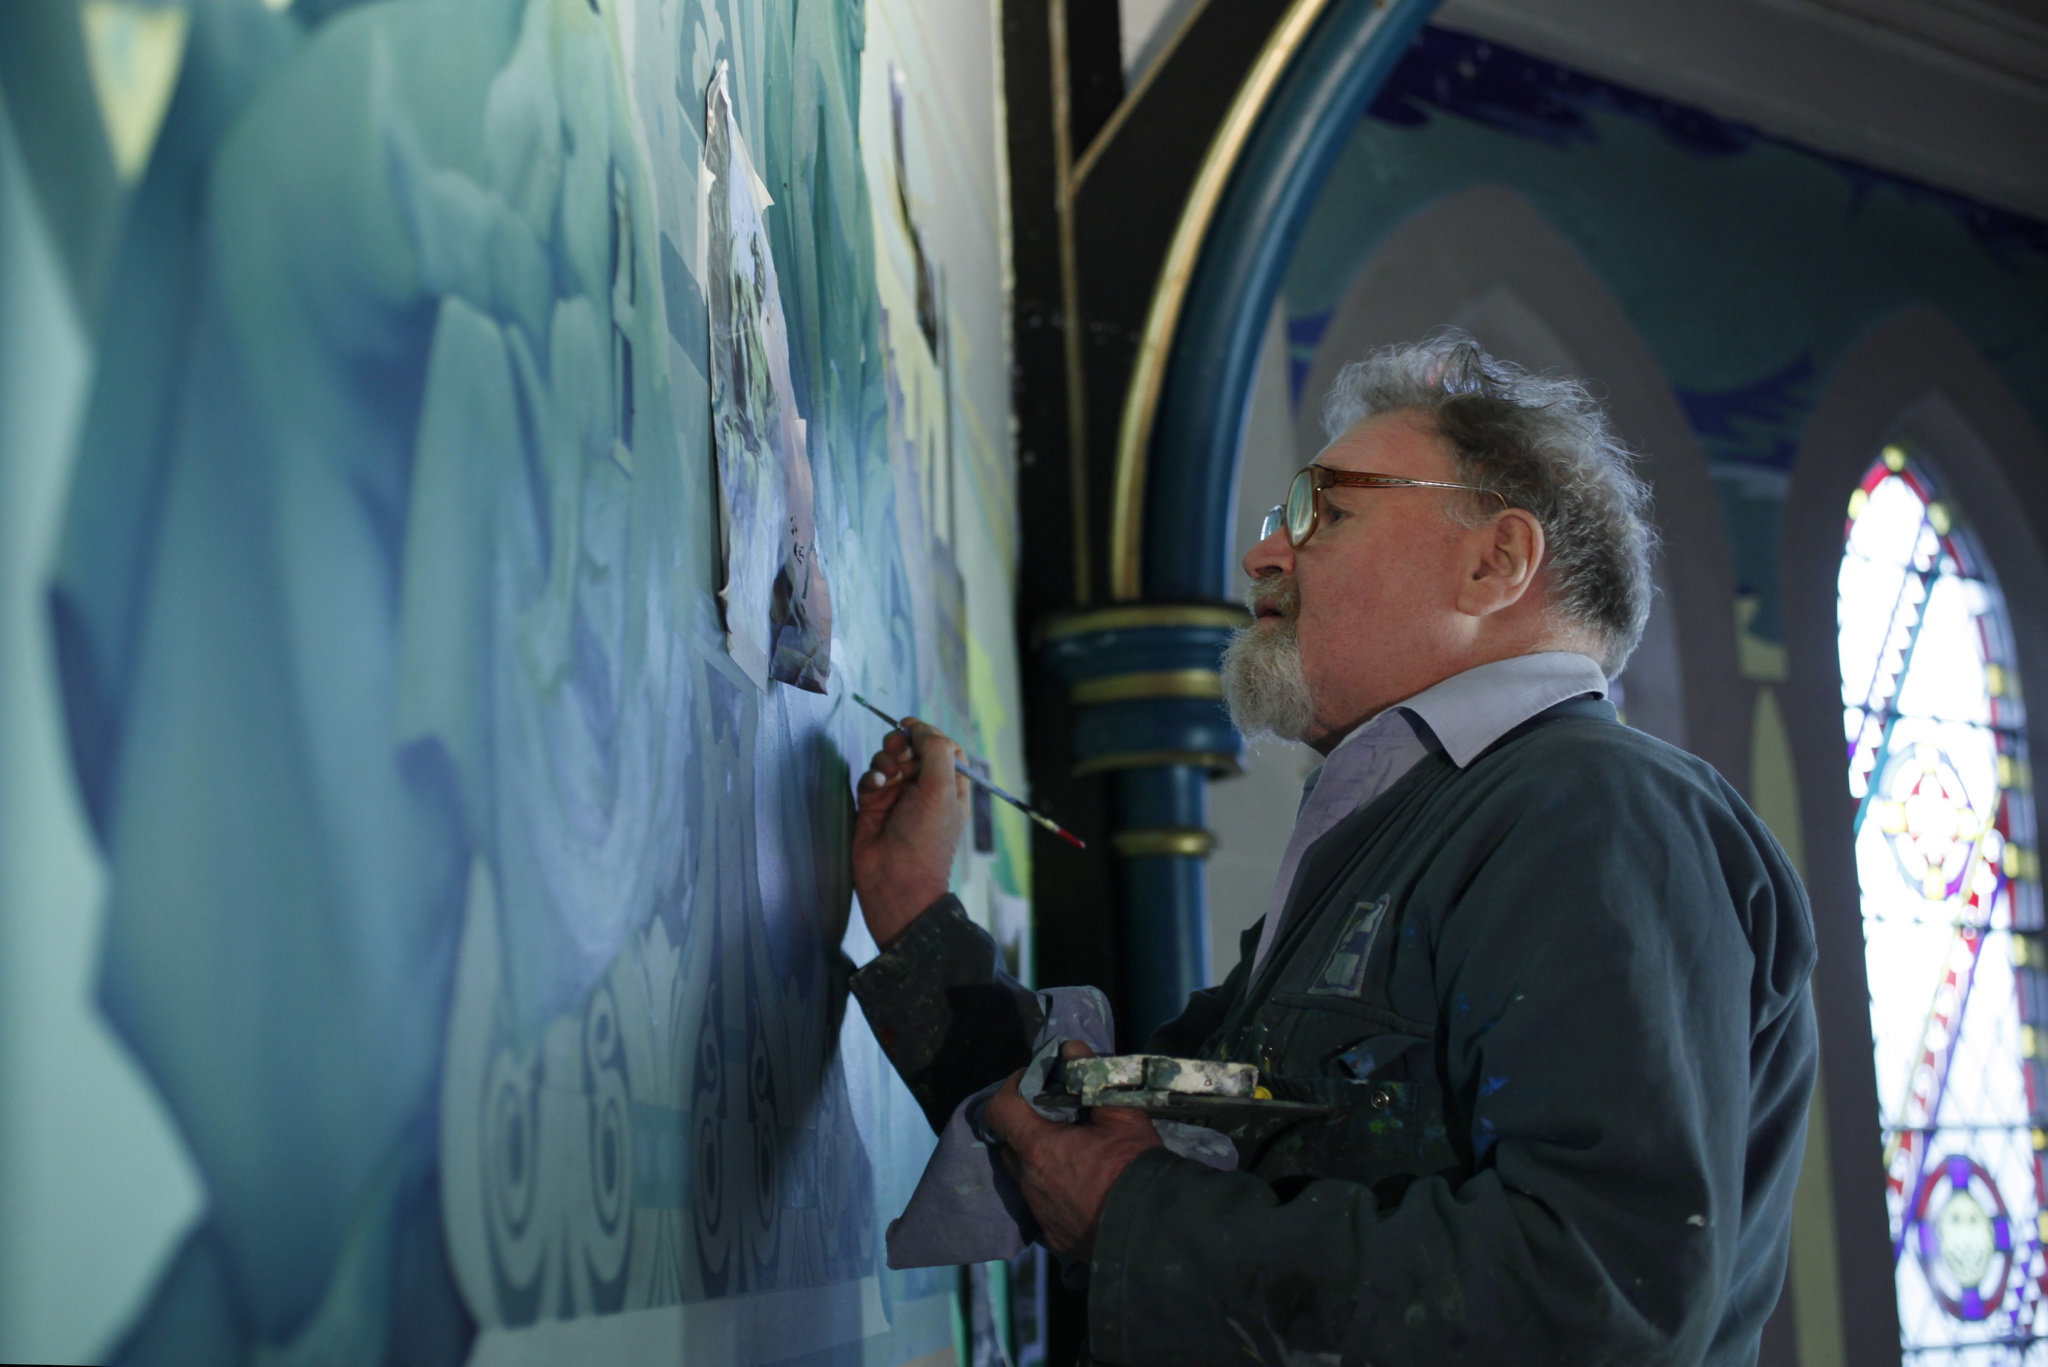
x,y
1143,680
1163,842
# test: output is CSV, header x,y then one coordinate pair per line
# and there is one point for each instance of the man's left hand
x,y
1066,1170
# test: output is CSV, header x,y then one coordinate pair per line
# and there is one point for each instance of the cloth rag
x,y
967,1208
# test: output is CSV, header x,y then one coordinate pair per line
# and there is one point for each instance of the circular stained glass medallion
x,y
1964,1237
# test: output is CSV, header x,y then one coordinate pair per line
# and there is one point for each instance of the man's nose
x,y
1272,556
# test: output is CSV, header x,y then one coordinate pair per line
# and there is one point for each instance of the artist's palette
x,y
1205,1092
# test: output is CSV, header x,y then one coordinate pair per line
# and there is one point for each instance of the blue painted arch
x,y
1347,57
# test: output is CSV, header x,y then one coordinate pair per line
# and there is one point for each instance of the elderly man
x,y
1550,972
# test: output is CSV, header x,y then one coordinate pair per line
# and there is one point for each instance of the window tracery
x,y
1937,761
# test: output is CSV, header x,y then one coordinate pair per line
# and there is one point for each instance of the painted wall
x,y
420,938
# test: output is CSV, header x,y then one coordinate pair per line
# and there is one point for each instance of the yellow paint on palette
x,y
134,53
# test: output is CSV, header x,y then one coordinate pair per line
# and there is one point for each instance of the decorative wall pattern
x,y
471,912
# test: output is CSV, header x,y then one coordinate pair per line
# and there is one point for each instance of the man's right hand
x,y
910,810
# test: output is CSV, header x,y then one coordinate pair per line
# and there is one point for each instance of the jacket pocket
x,y
1381,1058
1307,1035
1385,1125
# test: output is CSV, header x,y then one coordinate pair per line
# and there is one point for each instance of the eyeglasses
x,y
1303,511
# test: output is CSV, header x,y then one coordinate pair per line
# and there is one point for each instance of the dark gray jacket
x,y
1558,1000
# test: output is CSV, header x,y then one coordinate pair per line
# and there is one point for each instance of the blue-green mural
x,y
470,912
1750,266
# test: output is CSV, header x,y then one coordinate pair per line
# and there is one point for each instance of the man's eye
x,y
1332,513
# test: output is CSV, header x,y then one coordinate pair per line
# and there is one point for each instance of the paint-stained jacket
x,y
1558,1000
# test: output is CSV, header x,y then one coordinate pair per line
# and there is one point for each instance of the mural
x,y
474,912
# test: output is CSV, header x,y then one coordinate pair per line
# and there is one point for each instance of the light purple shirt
x,y
1465,713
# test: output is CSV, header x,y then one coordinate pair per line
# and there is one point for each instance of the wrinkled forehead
x,y
1397,443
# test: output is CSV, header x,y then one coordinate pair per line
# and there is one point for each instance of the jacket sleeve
x,y
1595,978
945,1011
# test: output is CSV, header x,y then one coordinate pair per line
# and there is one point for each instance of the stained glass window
x,y
1937,763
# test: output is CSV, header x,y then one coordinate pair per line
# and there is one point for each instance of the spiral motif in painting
x,y
712,1228
512,1171
764,1133
608,1233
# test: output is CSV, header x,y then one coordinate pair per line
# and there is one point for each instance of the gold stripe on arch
x,y
1148,374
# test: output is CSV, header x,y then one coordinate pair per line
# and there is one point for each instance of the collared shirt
x,y
1464,714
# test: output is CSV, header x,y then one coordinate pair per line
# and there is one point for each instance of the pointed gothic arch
x,y
1917,380
1486,259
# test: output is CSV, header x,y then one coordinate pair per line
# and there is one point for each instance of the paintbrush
x,y
1040,817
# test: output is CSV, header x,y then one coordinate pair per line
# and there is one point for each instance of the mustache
x,y
1277,592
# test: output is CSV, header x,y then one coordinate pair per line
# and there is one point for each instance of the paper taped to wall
x,y
778,610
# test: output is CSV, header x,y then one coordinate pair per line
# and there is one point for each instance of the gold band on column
x,y
1154,841
1148,683
1138,616
1215,761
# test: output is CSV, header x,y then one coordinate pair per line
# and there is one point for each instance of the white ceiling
x,y
2007,36
1950,92
1146,26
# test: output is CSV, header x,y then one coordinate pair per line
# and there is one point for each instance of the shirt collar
x,y
1468,712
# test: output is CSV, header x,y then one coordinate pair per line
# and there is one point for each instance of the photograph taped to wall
x,y
778,609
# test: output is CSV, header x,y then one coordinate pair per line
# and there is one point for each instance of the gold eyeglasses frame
x,y
1304,506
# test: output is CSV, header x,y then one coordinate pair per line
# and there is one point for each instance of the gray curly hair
x,y
1544,442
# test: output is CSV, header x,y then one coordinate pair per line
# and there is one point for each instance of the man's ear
x,y
1505,554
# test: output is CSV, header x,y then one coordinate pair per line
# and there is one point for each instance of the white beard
x,y
1263,683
